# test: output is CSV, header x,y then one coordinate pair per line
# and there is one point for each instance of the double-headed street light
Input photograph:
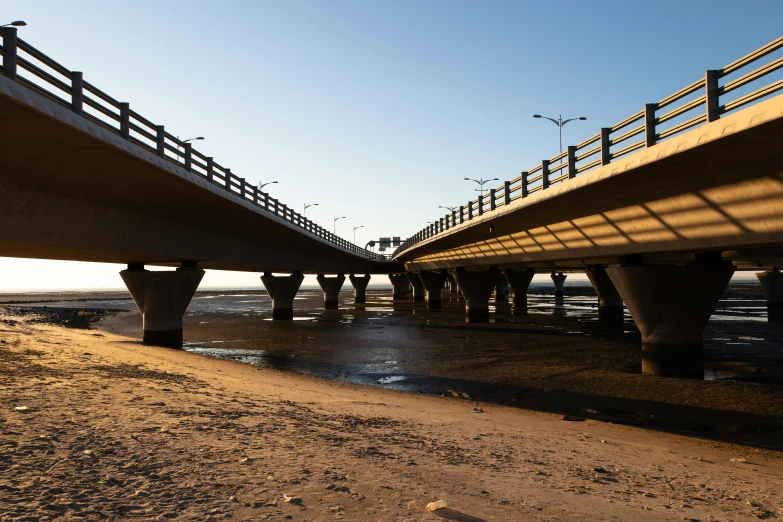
x,y
262,185
560,122
15,23
481,182
306,206
335,223
450,209
354,232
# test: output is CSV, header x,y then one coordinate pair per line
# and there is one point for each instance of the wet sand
x,y
116,430
557,357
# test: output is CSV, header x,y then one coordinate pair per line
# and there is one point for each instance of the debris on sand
x,y
434,506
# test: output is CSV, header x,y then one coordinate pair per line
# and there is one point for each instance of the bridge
x,y
659,210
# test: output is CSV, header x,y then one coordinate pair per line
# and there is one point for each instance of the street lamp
x,y
354,232
480,182
304,210
15,23
187,141
450,209
262,185
335,223
560,122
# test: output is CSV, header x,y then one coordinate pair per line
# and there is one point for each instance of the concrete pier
x,y
162,298
452,284
477,287
608,296
519,280
400,286
418,287
501,289
671,305
433,285
559,280
331,287
359,287
282,291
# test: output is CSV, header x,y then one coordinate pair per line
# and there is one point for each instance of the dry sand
x,y
115,430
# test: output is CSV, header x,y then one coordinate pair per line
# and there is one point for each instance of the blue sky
x,y
378,110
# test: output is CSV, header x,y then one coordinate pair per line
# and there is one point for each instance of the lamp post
x,y
262,185
197,138
450,209
335,223
15,23
306,206
481,182
560,122
354,232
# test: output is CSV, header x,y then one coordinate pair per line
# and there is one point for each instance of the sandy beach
x,y
97,426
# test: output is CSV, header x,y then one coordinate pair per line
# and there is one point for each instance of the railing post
x,y
454,218
480,204
266,201
462,214
571,161
470,210
544,174
649,124
441,225
606,154
506,192
77,92
492,199
255,194
125,120
161,141
713,100
242,184
189,157
9,52
210,169
277,206
228,179
525,192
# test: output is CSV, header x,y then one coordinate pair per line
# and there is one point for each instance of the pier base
x,y
282,291
331,287
418,287
433,285
501,289
519,280
772,282
359,287
400,286
559,280
477,288
162,298
671,306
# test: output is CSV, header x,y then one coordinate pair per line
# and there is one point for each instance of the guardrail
x,y
69,89
640,130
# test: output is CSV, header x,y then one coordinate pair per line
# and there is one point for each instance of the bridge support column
x,y
331,287
433,285
162,298
519,281
452,284
772,282
282,291
609,300
359,287
501,289
559,280
418,287
400,286
671,306
477,287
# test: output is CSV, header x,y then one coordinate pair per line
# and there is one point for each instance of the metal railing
x,y
29,67
700,102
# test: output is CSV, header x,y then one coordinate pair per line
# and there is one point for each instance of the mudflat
x,y
96,426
